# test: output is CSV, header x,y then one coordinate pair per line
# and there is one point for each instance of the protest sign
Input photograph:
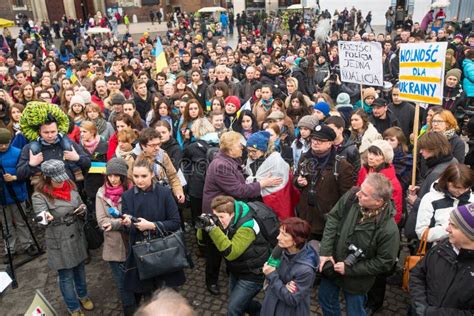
x,y
422,72
361,62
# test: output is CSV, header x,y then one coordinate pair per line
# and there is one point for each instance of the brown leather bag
x,y
412,261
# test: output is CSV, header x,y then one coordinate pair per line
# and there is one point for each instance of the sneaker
x,y
87,304
77,313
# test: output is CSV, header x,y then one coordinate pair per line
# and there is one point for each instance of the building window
x,y
19,5
129,3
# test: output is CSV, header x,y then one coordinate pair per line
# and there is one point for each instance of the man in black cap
x,y
323,177
381,116
9,156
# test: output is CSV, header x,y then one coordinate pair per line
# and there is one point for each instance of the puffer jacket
x,y
434,210
468,82
9,161
441,283
299,268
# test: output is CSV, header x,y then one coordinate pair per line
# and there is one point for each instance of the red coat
x,y
113,143
75,135
397,195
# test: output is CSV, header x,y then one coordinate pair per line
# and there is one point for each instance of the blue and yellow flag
x,y
160,56
98,167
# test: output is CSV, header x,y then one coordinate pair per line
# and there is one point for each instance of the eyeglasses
x,y
437,122
153,145
319,141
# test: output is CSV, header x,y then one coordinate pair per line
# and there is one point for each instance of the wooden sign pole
x,y
416,124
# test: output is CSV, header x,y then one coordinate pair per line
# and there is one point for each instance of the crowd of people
x,y
95,133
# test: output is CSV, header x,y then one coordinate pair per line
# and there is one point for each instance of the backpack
x,y
267,220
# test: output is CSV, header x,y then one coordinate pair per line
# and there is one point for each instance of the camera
x,y
205,220
354,255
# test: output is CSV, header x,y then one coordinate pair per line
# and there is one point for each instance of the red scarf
x,y
61,193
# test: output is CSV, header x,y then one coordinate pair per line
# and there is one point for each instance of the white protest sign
x,y
361,62
422,72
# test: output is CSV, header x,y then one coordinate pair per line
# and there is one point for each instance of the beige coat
x,y
114,247
168,174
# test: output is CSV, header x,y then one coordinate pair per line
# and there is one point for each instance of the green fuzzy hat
x,y
37,113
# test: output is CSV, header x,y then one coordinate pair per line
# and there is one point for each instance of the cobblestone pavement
x,y
36,275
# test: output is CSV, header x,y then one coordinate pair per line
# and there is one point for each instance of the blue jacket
x,y
468,82
300,268
9,160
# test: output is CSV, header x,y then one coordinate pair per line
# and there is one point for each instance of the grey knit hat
x,y
55,170
308,121
117,166
343,98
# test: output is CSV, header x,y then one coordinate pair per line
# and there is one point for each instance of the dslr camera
x,y
355,254
205,220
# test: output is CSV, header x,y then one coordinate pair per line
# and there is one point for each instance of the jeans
x,y
328,297
241,297
127,297
72,283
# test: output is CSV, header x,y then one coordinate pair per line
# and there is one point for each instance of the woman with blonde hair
x,y
94,114
444,122
96,148
224,176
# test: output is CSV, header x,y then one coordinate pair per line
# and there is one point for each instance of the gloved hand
x,y
210,224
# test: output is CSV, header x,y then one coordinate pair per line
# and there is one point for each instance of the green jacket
x,y
379,240
242,245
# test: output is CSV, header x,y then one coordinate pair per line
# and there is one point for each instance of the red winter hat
x,y
234,100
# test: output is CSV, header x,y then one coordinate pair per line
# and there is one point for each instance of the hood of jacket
x,y
211,138
307,256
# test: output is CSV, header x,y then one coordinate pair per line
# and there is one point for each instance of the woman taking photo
x,y
164,214
115,249
452,189
289,285
224,176
444,122
57,200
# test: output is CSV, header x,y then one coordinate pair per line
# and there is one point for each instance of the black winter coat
x,y
194,164
155,205
174,152
93,181
51,151
143,106
441,283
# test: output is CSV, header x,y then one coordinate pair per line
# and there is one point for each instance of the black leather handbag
x,y
94,235
162,255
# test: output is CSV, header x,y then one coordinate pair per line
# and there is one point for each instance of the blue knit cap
x,y
323,107
259,140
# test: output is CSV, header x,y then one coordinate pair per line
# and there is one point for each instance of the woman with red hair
x,y
291,280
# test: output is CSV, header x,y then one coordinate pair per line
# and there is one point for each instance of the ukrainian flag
x,y
160,56
97,167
